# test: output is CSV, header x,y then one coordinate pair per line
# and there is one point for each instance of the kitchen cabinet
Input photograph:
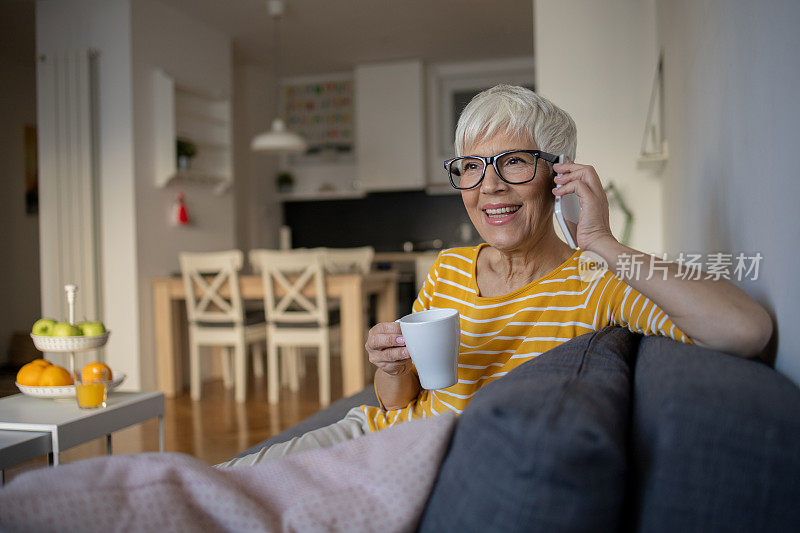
x,y
205,121
390,126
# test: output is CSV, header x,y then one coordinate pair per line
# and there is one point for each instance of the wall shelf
x,y
220,183
315,195
204,120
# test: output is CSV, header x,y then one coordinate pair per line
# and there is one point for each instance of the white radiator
x,y
67,185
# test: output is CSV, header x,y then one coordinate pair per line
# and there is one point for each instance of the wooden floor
x,y
215,428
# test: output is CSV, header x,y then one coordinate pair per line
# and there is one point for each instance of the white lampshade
x,y
278,139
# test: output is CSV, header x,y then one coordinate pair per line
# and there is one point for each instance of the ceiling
x,y
324,36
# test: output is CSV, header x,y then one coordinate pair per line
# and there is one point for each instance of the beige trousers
x,y
353,425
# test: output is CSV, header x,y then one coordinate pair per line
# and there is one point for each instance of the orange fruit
x,y
55,376
41,362
94,372
30,374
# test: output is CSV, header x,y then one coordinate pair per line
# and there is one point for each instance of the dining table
x,y
351,289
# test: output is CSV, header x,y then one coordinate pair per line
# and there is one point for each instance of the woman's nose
x,y
492,182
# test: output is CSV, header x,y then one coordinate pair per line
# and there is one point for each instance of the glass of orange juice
x,y
91,393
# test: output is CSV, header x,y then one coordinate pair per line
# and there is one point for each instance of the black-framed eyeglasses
x,y
514,167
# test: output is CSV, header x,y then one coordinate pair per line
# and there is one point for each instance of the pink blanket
x,y
377,482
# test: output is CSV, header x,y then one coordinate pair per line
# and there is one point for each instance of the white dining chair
x,y
343,260
340,261
422,266
217,318
296,308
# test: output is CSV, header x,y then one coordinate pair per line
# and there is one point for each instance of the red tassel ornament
x,y
180,212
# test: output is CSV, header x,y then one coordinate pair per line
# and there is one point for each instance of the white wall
x,y
258,212
731,184
137,242
19,240
198,57
104,25
596,60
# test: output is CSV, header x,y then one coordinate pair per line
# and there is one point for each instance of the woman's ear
x,y
552,174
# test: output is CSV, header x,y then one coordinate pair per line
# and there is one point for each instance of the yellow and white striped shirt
x,y
502,332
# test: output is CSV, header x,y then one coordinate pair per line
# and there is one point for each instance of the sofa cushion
x,y
543,448
716,440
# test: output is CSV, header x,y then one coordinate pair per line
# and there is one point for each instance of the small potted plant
x,y
285,181
186,150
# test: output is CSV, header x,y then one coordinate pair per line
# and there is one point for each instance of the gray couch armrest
x,y
716,442
333,413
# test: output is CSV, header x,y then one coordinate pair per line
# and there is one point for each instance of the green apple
x,y
43,326
91,329
62,329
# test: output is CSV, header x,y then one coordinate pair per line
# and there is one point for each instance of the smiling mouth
x,y
502,211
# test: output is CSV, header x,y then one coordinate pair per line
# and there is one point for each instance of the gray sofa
x,y
613,431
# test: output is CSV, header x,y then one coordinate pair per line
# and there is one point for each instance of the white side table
x,y
19,446
68,425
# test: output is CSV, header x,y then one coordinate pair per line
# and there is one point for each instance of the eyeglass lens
x,y
514,167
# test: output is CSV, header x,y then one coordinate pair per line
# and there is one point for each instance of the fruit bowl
x,y
67,391
69,344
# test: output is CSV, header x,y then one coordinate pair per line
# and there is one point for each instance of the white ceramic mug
x,y
432,338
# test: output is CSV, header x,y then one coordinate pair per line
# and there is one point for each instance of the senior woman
x,y
520,293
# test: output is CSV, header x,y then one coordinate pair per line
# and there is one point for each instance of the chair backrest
x,y
294,285
422,265
342,260
211,281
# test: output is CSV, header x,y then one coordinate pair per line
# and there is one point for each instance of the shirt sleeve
x,y
627,307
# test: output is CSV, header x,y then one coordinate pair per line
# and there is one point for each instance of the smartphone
x,y
568,212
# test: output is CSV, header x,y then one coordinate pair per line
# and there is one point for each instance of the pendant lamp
x,y
278,139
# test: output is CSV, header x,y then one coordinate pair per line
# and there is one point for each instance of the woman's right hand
x,y
387,350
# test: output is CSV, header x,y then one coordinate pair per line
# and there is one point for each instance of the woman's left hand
x,y
583,180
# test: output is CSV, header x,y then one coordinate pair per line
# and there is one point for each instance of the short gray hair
x,y
516,111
